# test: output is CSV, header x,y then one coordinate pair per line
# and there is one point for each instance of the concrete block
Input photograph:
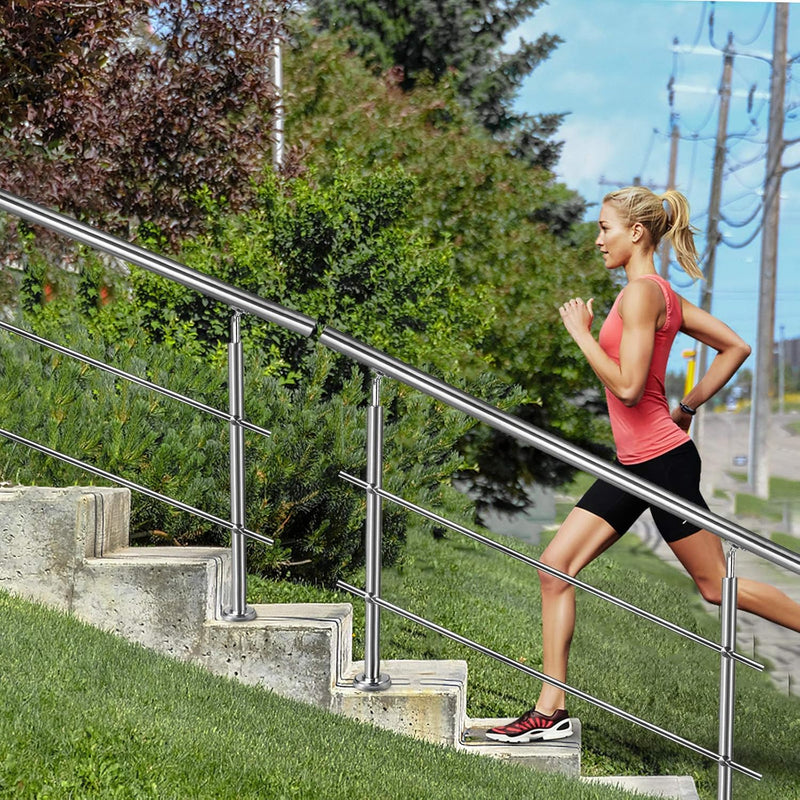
x,y
46,533
296,649
559,755
159,597
426,699
103,521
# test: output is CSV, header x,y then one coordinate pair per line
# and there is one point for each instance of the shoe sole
x,y
560,731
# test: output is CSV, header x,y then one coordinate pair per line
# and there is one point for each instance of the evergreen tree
x,y
428,39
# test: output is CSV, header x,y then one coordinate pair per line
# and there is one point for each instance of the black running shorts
x,y
677,471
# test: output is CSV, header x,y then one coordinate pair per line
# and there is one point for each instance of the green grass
x,y
781,492
786,540
84,714
641,668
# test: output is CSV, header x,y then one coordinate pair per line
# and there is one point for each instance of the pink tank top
x,y
646,430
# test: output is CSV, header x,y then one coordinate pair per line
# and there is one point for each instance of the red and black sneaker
x,y
533,726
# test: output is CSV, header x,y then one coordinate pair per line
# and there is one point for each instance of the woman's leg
x,y
580,539
702,556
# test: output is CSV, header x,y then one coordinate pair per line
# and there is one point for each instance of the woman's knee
x,y
552,584
710,589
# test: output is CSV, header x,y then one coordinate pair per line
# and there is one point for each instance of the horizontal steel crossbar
x,y
704,751
433,517
93,362
223,523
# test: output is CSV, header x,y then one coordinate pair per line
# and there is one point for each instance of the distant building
x,y
791,352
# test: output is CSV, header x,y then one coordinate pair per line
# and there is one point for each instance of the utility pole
x,y
712,230
758,462
782,373
673,165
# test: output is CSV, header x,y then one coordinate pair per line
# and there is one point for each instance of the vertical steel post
x,y
727,678
371,679
238,610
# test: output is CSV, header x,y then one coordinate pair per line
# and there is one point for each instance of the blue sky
x,y
611,75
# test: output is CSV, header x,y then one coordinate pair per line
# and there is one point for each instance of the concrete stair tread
x,y
677,787
412,673
299,614
166,554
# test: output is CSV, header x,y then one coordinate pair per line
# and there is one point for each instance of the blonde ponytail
x,y
639,204
681,232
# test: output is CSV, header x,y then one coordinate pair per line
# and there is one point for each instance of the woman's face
x,y
615,238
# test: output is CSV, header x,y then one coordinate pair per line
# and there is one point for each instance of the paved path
x,y
726,438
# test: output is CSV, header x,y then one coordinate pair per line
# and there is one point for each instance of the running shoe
x,y
533,726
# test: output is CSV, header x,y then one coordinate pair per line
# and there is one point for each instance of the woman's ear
x,y
637,231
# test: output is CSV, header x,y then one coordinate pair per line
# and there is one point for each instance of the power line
x,y
700,24
760,27
743,223
747,241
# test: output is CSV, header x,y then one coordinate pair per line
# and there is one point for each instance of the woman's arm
x,y
731,349
640,308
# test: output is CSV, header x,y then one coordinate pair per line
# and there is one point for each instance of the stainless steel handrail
x,y
546,442
160,265
382,364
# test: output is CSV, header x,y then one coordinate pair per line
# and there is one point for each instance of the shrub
x,y
294,492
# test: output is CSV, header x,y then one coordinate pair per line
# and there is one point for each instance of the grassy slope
x,y
86,715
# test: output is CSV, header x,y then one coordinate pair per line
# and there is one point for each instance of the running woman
x,y
630,359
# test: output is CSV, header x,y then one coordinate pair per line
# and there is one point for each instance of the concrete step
x,y
298,650
159,597
559,755
426,699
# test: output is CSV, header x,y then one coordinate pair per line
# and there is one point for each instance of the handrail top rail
x,y
405,373
238,299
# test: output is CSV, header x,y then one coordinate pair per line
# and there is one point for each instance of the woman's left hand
x,y
577,316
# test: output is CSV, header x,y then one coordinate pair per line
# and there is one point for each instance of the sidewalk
x,y
726,439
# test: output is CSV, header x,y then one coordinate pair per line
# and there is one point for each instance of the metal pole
x,y
238,610
371,679
712,230
279,111
782,373
727,679
673,165
758,461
